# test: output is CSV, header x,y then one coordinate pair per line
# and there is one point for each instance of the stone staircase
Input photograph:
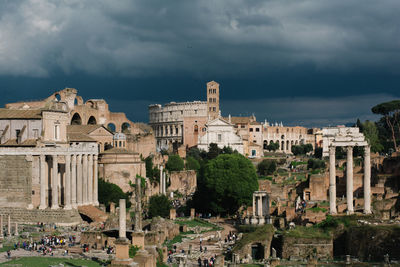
x,y
95,214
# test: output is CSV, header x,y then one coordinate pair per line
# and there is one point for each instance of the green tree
x,y
266,167
109,192
390,111
226,183
192,164
194,152
159,205
302,149
213,151
371,133
175,163
273,146
315,164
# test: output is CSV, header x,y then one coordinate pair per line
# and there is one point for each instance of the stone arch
x,y
270,142
79,100
126,127
111,126
282,136
76,119
57,97
265,144
90,104
283,145
257,251
92,120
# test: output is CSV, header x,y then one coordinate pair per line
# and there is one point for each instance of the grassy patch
x,y
196,222
297,163
177,239
6,247
46,261
317,209
265,177
307,232
253,233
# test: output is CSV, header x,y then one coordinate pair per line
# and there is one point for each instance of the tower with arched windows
x,y
213,100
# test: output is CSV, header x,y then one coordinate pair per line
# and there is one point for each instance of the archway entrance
x,y
257,251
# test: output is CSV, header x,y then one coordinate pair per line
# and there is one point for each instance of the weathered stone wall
x,y
59,217
15,181
303,248
183,181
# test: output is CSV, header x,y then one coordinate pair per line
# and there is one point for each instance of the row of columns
x,y
81,181
169,130
287,144
349,180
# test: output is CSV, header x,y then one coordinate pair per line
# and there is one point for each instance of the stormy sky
x,y
311,62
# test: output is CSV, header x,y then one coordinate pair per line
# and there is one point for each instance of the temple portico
x,y
347,137
67,176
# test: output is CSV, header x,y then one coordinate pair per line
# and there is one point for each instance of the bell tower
x,y
212,100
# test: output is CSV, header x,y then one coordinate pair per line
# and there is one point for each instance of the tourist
x,y
199,261
8,254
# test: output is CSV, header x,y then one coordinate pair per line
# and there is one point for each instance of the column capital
x,y
349,148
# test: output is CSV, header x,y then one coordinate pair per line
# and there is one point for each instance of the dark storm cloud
x,y
158,51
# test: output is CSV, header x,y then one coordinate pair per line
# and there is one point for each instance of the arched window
x,y
92,120
196,129
126,127
111,127
76,119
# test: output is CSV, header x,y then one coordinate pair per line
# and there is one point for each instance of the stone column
x,y
85,179
122,218
254,205
9,225
332,180
1,226
73,181
95,182
138,211
79,180
90,179
367,180
164,183
54,184
43,203
67,182
16,229
260,212
349,180
161,179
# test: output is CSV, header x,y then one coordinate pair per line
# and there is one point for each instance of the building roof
x,y
240,120
20,113
13,142
84,129
117,150
79,137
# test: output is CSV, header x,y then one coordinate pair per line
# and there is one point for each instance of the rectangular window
x,y
242,126
56,132
251,129
214,109
219,137
257,129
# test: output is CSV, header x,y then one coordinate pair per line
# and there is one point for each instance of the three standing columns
x,y
349,180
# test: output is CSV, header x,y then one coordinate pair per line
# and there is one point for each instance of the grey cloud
x,y
309,111
238,37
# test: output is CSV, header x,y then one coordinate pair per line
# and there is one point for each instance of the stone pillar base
x,y
138,239
122,249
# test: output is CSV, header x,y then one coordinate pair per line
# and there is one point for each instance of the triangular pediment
x,y
219,122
